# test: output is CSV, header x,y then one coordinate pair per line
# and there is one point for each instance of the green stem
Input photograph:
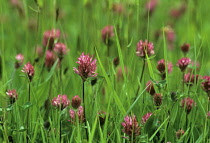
x,y
28,112
83,96
141,77
60,129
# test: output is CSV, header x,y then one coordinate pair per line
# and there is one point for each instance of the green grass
x,y
80,23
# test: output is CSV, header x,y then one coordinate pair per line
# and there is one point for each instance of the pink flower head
x,y
77,114
178,12
102,117
183,63
87,67
144,48
76,102
120,72
131,126
151,5
150,88
29,70
49,38
39,51
60,49
116,61
15,2
206,84
118,8
61,102
170,36
195,65
107,32
12,95
179,133
145,118
185,48
187,104
158,99
49,59
208,115
190,79
162,67
19,60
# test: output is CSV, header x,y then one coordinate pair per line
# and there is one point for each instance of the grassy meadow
x,y
113,90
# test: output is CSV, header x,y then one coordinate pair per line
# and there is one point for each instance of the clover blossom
x,y
77,114
187,104
144,48
150,88
29,70
19,60
145,118
76,102
61,102
131,126
86,68
12,95
107,32
183,63
49,38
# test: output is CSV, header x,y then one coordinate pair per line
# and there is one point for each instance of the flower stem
x,y
61,76
183,81
141,77
83,96
28,112
60,129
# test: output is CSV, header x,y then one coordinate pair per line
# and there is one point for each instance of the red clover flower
x,y
49,59
208,115
185,48
102,117
144,48
187,104
206,85
145,118
170,36
150,88
183,63
61,102
178,12
86,68
157,99
76,102
162,66
29,70
49,38
107,32
117,8
60,49
180,133
190,79
151,5
19,60
79,113
131,126
12,95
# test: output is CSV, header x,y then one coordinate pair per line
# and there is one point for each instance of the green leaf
x,y
9,108
158,129
26,105
40,3
151,125
21,129
52,70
